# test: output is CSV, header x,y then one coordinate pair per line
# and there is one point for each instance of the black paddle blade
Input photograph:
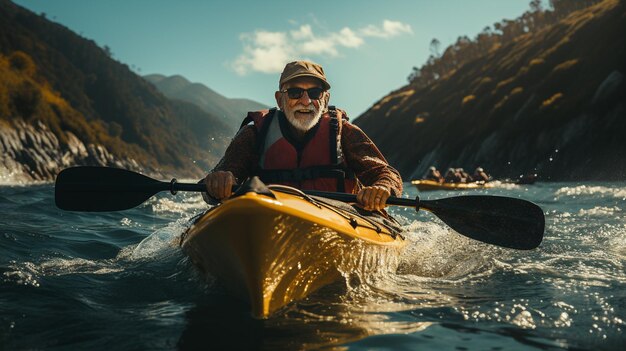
x,y
502,221
99,189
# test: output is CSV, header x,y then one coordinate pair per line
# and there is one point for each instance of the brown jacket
x,y
361,155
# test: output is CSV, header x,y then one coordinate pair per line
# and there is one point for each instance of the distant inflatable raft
x,y
426,185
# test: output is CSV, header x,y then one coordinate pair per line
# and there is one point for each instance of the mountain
x,y
177,87
543,94
66,101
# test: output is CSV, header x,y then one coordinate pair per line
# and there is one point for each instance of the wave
x,y
159,249
587,190
599,211
436,251
504,185
14,178
158,243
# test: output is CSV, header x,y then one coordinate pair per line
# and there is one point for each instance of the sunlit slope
x,y
549,101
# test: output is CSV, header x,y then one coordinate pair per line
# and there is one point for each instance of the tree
x,y
536,6
435,44
107,51
484,39
116,130
415,75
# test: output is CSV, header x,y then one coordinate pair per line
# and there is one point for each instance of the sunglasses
x,y
296,93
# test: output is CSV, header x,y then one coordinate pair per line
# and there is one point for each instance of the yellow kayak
x,y
425,185
274,246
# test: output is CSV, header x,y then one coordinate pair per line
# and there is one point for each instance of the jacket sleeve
x,y
366,161
241,156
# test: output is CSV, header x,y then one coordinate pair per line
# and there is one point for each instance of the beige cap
x,y
297,69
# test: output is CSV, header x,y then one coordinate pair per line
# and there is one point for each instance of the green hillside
x,y
544,93
232,111
106,103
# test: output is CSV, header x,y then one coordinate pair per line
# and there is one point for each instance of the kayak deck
x,y
271,251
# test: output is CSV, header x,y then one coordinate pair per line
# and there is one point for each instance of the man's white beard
x,y
302,123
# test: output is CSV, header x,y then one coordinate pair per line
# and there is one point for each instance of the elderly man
x,y
307,144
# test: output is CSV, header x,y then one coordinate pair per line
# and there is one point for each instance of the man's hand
x,y
220,184
373,198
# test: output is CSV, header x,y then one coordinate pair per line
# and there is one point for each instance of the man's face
x,y
303,113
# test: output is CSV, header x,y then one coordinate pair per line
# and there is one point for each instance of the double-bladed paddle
x,y
503,221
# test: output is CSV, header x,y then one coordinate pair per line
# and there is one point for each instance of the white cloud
x,y
388,30
270,39
304,32
263,52
318,46
268,52
348,38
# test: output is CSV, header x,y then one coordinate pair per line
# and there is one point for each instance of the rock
x,y
75,146
33,152
608,88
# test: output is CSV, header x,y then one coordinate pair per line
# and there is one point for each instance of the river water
x,y
102,281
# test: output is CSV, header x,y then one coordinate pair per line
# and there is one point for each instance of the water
x,y
102,281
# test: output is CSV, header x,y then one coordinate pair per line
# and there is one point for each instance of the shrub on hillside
x,y
551,101
483,85
468,99
4,102
21,62
564,66
25,99
503,84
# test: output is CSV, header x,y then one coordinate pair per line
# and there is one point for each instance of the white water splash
x,y
156,246
185,204
435,251
17,178
586,190
504,185
600,211
525,320
60,266
161,240
30,274
25,273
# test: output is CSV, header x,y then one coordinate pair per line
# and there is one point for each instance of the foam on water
x,y
160,245
504,185
436,251
164,239
180,204
590,190
600,211
25,274
15,178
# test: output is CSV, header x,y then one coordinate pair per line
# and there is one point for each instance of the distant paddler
x,y
453,176
480,175
433,174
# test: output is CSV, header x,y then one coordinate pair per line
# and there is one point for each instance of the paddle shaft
x,y
497,220
344,197
417,203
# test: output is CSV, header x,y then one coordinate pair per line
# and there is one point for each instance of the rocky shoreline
x,y
32,152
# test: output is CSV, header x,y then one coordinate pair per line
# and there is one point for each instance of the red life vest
x,y
317,164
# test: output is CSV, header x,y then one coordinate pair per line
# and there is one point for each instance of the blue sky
x,y
238,48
